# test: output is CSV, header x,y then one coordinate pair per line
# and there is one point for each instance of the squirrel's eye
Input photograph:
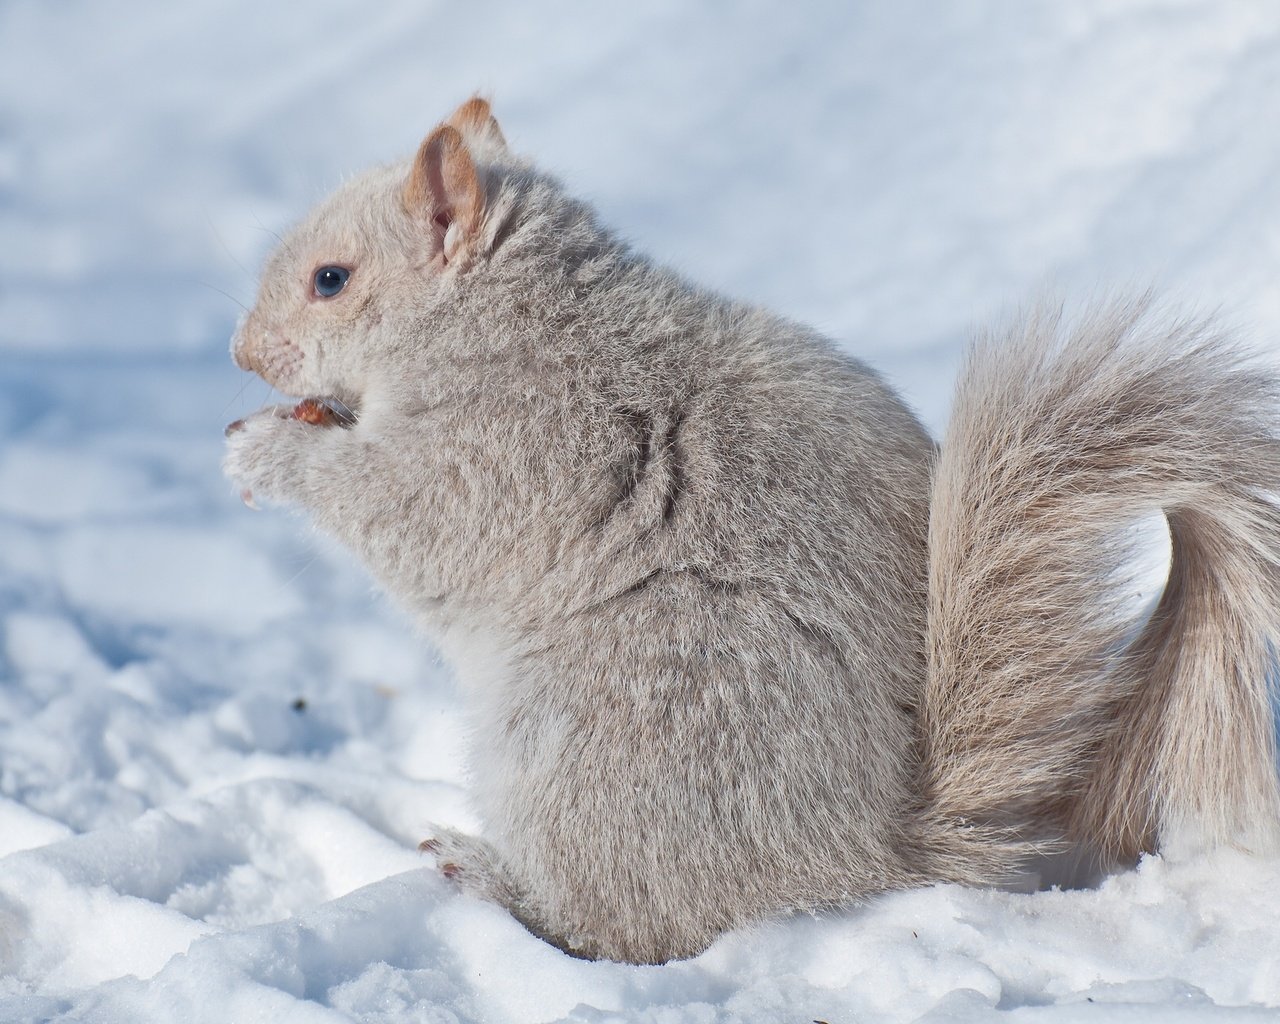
x,y
330,280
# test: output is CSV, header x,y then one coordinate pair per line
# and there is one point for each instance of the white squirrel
x,y
738,639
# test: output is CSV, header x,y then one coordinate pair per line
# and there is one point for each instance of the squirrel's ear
x,y
476,122
444,188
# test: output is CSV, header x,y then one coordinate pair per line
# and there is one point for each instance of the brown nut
x,y
315,412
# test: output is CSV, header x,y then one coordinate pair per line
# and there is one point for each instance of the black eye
x,y
331,280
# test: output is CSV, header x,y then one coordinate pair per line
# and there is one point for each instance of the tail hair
x,y
1043,713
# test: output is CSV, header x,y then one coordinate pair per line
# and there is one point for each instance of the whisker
x,y
214,288
294,578
226,248
274,234
237,396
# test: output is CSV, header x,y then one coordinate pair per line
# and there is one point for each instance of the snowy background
x,y
218,746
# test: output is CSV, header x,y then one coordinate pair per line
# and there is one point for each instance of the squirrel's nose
x,y
242,351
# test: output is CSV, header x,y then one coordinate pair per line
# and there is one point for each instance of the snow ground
x,y
218,748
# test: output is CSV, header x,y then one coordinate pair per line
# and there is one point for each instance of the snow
x,y
219,747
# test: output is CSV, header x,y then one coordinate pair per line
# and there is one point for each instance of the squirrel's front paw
x,y
266,453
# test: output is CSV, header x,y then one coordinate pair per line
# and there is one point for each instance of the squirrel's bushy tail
x,y
1041,711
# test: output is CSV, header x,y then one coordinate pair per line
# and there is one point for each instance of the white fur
x,y
736,646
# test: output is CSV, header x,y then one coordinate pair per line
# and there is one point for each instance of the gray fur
x,y
724,662
1035,706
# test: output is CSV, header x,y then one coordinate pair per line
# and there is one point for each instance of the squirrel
x,y
738,640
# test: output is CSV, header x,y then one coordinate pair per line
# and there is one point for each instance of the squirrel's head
x,y
389,245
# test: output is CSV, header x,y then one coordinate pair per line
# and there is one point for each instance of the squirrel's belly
x,y
651,787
